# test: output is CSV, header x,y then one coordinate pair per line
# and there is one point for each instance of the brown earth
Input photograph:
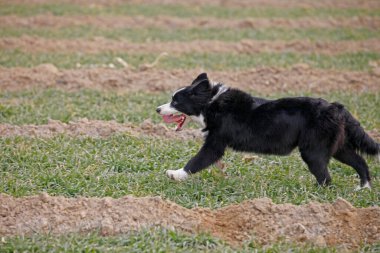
x,y
367,4
338,224
97,129
100,44
300,78
115,22
104,129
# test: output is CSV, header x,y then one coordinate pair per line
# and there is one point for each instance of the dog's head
x,y
187,101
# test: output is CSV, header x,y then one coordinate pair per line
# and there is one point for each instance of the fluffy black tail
x,y
358,138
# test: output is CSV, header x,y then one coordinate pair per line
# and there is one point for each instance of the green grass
x,y
123,164
154,240
127,165
37,106
211,61
225,34
150,10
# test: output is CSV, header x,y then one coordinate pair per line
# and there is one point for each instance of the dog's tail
x,y
357,137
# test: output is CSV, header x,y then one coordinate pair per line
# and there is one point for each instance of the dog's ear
x,y
200,78
202,86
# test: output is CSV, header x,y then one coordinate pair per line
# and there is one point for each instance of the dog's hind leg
x,y
317,163
350,157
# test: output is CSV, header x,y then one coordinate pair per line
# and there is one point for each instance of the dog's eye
x,y
174,103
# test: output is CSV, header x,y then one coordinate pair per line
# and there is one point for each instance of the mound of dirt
x,y
96,129
265,80
338,224
35,44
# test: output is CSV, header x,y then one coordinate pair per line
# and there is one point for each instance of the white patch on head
x,y
167,109
177,175
199,119
178,91
221,90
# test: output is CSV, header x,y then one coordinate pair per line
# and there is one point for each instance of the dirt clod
x,y
338,224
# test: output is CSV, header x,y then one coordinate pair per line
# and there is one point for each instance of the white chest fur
x,y
199,120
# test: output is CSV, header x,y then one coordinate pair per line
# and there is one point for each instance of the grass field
x,y
155,240
190,34
36,106
346,61
180,11
124,164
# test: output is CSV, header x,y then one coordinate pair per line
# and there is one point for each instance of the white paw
x,y
366,185
177,175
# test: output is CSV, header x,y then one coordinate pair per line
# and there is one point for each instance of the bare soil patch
x,y
104,129
96,129
367,4
99,44
338,224
300,78
112,22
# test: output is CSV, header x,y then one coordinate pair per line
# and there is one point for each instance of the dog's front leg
x,y
209,154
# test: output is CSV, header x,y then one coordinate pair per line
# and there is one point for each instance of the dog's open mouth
x,y
179,119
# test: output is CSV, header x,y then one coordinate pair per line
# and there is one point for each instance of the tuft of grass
x,y
211,61
37,106
178,10
225,34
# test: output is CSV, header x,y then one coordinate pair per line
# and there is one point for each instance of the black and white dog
x,y
232,118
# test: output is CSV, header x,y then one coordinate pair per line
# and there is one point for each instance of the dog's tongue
x,y
179,119
172,118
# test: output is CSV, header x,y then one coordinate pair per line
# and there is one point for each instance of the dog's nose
x,y
158,110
